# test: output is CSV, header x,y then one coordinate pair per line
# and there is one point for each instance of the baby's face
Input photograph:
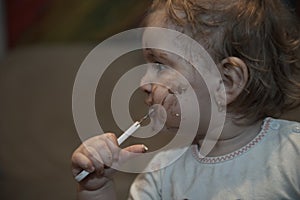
x,y
168,76
164,80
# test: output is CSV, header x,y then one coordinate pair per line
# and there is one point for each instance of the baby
x,y
256,47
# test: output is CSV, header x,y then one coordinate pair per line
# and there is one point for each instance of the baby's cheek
x,y
173,111
175,82
149,77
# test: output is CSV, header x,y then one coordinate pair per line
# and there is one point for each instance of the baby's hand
x,y
98,155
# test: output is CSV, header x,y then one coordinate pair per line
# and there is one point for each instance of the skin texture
x,y
167,70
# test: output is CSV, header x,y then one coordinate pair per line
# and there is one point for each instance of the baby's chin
x,y
173,124
165,125
166,116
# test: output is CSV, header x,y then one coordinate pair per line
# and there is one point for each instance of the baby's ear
x,y
235,75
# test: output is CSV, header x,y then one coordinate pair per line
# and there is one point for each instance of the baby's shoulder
x,y
286,136
285,127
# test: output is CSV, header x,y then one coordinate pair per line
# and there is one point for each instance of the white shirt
x,y
266,168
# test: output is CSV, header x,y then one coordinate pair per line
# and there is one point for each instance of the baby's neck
x,y
234,137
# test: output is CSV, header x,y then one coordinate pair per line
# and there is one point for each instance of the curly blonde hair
x,y
263,33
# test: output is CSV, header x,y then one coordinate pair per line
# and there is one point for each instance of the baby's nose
x,y
145,83
146,87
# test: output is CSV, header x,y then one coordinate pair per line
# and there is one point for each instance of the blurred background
x,y
42,45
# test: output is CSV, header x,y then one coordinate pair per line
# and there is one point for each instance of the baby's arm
x,y
99,156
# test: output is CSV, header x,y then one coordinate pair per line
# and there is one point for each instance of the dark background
x,y
42,45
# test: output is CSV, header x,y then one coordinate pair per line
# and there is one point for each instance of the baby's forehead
x,y
156,18
159,18
182,42
165,36
165,41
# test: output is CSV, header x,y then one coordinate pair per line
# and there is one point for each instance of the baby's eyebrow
x,y
156,54
163,55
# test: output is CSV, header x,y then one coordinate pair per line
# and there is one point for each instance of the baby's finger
x,y
106,153
95,158
131,151
112,137
112,144
81,162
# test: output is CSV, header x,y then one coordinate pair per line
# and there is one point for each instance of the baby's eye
x,y
160,66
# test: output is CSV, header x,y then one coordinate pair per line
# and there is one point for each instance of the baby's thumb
x,y
132,151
